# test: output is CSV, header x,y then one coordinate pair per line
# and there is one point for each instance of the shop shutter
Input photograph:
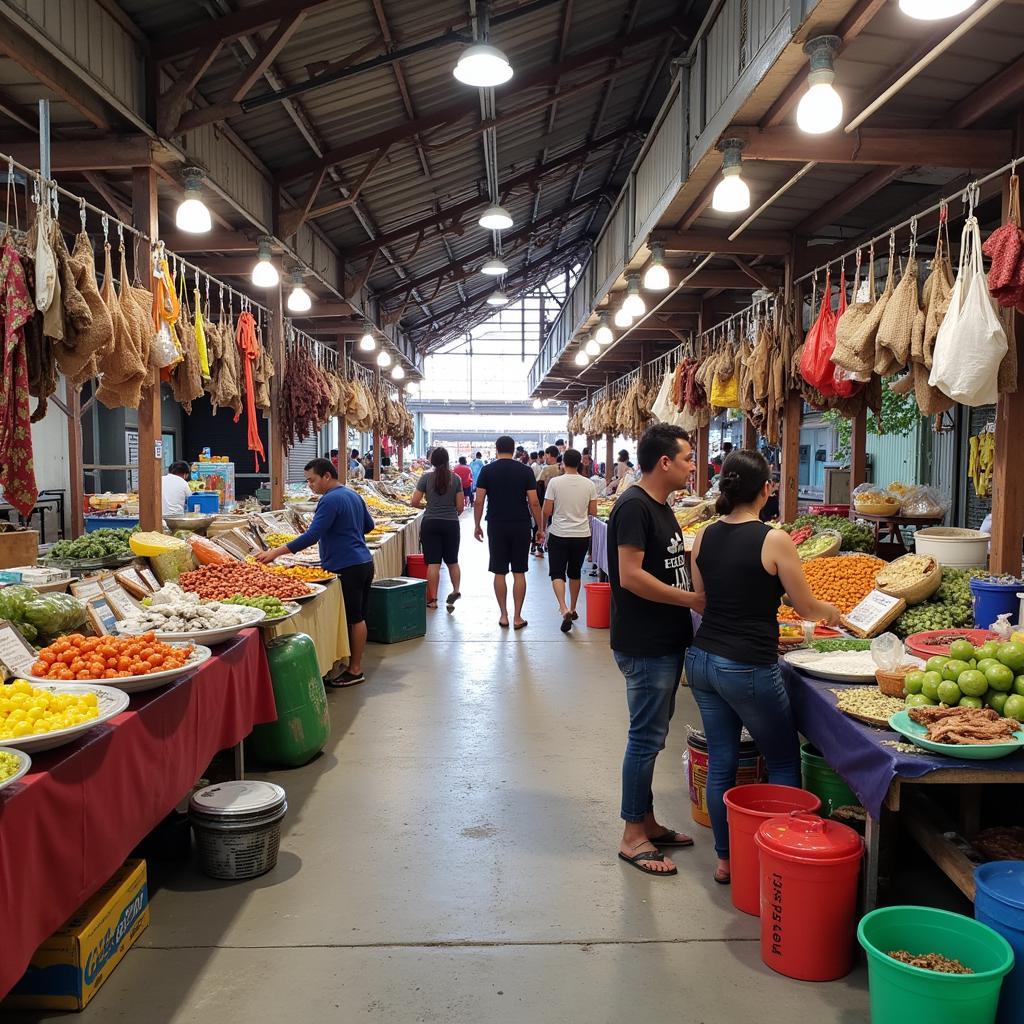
x,y
299,455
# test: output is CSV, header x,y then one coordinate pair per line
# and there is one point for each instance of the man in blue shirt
x,y
340,524
475,466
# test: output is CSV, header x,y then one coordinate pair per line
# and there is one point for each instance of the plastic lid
x,y
803,836
1003,880
235,798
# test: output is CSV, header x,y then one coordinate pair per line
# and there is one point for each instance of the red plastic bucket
x,y
416,566
747,808
808,871
599,605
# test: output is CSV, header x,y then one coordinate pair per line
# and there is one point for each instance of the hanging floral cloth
x,y
17,473
245,336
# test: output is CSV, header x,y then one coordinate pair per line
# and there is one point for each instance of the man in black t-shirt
x,y
650,631
511,493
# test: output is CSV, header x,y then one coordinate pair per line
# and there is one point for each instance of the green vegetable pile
x,y
949,608
40,616
856,536
98,544
840,644
272,606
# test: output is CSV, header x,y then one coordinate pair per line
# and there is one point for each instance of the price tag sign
x,y
16,653
149,579
101,615
874,613
86,589
118,598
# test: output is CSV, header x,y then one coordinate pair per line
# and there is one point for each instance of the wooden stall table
x,y
68,825
322,619
890,543
890,783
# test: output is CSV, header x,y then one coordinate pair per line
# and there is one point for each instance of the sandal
x,y
346,679
452,598
432,604
566,622
672,838
723,877
521,625
639,861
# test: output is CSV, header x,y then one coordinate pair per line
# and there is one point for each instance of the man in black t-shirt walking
x,y
650,631
510,490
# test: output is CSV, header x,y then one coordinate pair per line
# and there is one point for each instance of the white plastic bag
x,y
971,341
662,409
887,652
1002,627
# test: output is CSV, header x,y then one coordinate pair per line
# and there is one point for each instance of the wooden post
x,y
145,217
278,450
76,493
859,450
401,456
377,468
568,436
609,458
788,492
342,449
749,434
703,458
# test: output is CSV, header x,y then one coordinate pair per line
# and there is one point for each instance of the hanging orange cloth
x,y
245,336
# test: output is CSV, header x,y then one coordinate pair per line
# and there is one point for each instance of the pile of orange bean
x,y
217,582
843,580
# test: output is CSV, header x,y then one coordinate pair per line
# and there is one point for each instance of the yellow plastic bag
x,y
725,394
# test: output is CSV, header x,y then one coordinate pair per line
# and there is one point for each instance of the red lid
x,y
806,837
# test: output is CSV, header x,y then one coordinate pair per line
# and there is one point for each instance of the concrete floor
x,y
451,857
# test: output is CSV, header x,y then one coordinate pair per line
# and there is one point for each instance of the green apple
x,y
985,663
918,700
996,700
952,670
1014,707
988,649
930,686
961,650
1018,685
972,683
971,702
912,682
1012,656
999,677
936,663
949,693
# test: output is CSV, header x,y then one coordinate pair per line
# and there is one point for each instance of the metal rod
x,y
44,138
777,194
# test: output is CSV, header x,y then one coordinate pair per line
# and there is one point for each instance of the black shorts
x,y
566,556
439,540
467,493
509,544
355,583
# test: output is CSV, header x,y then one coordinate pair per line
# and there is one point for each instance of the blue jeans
x,y
730,695
651,685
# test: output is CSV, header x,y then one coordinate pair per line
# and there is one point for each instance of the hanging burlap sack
x,y
857,329
896,328
75,316
75,353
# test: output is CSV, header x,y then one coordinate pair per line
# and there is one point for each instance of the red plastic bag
x,y
843,384
816,366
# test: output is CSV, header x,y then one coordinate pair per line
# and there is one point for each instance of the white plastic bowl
x,y
953,547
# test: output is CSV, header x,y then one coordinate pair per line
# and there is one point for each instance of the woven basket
x,y
891,683
880,508
921,590
832,549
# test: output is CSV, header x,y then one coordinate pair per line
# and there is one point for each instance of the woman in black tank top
x,y
743,567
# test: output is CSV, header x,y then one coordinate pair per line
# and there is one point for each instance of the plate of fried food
x,y
975,734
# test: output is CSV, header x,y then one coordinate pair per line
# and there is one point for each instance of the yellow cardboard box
x,y
70,966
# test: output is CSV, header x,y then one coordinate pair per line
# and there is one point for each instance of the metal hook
x,y
105,225
81,212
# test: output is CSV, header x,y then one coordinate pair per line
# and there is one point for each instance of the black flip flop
x,y
643,858
345,679
522,625
503,625
452,598
668,838
575,616
432,604
566,622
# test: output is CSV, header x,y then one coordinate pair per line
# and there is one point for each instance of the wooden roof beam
x,y
750,243
112,154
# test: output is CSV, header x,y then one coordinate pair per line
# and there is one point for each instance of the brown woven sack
x,y
896,328
857,328
75,353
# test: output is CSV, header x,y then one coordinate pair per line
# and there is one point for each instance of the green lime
x,y
936,664
949,692
917,700
1014,707
984,663
961,650
1012,656
930,685
971,702
913,681
952,670
996,700
989,649
1018,685
999,677
972,683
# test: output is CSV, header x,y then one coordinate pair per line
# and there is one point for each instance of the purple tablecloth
x,y
855,750
599,543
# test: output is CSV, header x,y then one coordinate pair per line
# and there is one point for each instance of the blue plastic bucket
x,y
207,502
992,600
999,903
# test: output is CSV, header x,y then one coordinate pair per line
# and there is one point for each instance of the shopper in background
x,y
465,475
340,524
742,567
355,467
650,631
587,467
475,466
549,470
444,492
771,506
174,488
334,457
569,502
510,492
368,465
622,465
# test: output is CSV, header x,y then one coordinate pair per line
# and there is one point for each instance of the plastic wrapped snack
x,y
923,501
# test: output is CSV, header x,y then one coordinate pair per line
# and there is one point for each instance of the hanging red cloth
x,y
816,366
245,337
17,472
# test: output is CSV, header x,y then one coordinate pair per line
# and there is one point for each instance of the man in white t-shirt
x,y
570,500
175,488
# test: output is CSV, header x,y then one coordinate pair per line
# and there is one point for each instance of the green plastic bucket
x,y
901,993
823,782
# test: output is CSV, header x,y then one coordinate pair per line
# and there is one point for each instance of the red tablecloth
x,y
71,822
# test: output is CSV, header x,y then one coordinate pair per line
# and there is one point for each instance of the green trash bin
x,y
303,723
397,610
901,993
818,778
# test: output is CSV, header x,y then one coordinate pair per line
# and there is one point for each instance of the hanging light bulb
x,y
383,358
497,298
494,268
367,343
633,302
656,278
731,193
299,300
820,109
603,335
934,10
192,215
495,218
581,358
623,317
482,66
592,348
412,387
545,402
397,373
264,274
536,403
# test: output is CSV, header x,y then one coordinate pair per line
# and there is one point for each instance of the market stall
x,y
69,824
323,620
